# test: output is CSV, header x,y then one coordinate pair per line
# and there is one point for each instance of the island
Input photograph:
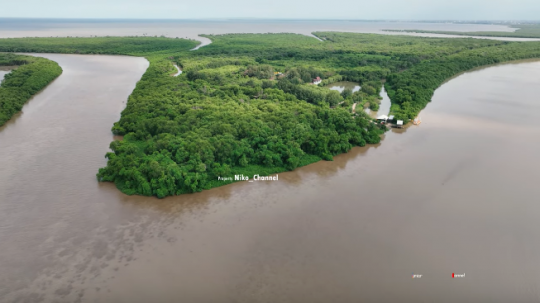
x,y
255,104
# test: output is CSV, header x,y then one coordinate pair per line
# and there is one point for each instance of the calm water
x,y
341,86
456,194
384,106
193,28
4,71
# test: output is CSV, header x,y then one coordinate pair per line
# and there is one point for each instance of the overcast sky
x,y
301,9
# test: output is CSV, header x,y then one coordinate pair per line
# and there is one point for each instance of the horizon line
x,y
276,19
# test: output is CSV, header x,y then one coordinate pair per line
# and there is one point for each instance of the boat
x,y
417,121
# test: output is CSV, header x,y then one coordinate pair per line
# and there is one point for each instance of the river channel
x,y
457,194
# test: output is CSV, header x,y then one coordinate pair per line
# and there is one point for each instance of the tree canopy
x,y
245,103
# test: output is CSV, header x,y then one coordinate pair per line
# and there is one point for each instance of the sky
x,y
275,9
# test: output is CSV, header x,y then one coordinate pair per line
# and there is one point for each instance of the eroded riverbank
x,y
434,199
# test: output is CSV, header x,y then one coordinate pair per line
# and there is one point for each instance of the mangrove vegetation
x,y
245,104
32,75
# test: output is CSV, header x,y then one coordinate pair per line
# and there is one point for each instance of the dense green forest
x,y
522,31
135,46
244,104
31,76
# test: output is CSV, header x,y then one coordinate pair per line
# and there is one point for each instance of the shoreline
x,y
63,216
14,97
312,158
390,128
8,68
479,34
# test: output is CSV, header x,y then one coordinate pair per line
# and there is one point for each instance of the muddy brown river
x,y
457,194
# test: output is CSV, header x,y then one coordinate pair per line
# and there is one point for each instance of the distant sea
x,y
191,29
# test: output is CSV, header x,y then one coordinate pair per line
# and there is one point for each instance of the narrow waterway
x,y
3,72
456,194
384,106
52,210
179,71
